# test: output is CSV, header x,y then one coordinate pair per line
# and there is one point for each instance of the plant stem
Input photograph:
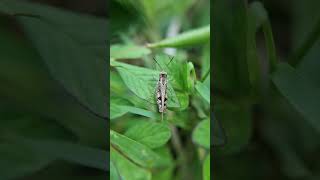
x,y
176,143
270,45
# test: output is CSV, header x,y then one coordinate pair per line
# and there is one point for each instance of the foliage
x,y
267,102
53,106
142,145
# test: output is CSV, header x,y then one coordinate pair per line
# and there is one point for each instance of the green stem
x,y
272,56
311,39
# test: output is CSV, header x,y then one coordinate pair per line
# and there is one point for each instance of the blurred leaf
x,y
77,68
229,48
206,168
236,119
92,31
205,60
191,37
127,169
69,151
218,136
128,51
201,134
151,134
135,151
18,160
300,91
142,82
183,99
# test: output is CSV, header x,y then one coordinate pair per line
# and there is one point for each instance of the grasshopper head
x,y
163,74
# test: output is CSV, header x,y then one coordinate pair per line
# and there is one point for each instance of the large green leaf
x,y
300,91
127,169
201,134
77,62
142,82
151,134
137,152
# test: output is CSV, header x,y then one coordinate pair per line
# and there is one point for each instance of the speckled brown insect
x,y
161,91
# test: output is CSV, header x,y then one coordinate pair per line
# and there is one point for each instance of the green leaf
x,y
142,82
22,162
151,134
114,174
300,91
191,37
201,134
206,168
135,151
203,90
78,69
119,107
237,123
127,169
93,29
69,151
128,51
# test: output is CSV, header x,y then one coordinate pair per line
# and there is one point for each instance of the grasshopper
x,y
161,90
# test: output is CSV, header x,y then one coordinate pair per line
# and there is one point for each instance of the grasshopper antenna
x,y
169,61
157,63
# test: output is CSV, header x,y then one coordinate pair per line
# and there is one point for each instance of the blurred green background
x,y
266,88
53,90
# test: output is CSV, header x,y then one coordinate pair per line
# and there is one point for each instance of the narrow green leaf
x,y
135,151
192,37
206,168
128,51
300,91
201,134
151,134
127,169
